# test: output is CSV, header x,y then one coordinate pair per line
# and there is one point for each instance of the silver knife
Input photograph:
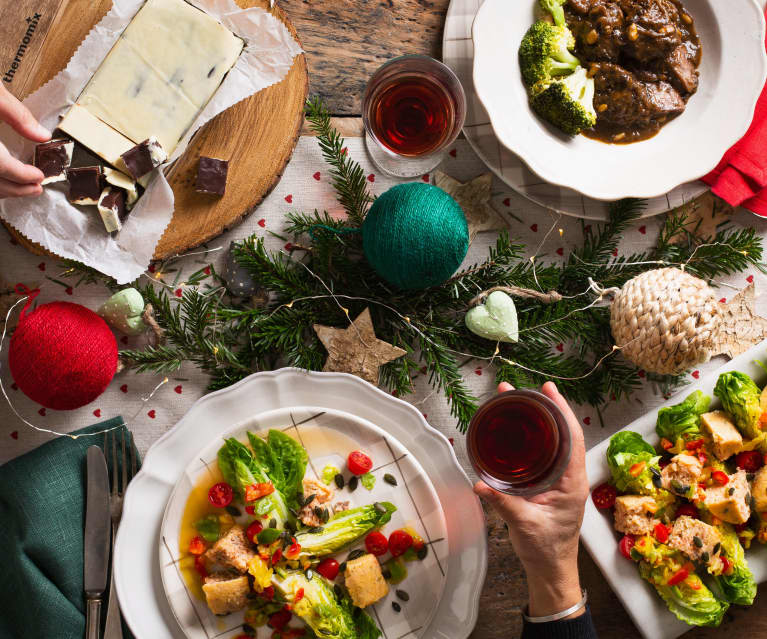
x,y
96,547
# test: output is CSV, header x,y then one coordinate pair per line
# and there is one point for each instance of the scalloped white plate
x,y
732,74
639,599
328,436
137,570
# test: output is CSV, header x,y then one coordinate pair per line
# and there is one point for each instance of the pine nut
x,y
602,108
686,18
619,137
592,36
633,32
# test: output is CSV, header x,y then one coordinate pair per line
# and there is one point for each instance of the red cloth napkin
x,y
741,177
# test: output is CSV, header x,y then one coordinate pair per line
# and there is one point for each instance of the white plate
x,y
732,74
328,436
639,598
137,571
529,189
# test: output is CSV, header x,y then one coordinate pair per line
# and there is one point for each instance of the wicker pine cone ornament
x,y
666,321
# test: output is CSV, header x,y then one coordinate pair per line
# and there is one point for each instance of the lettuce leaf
x,y
627,449
284,460
695,607
739,587
740,397
682,419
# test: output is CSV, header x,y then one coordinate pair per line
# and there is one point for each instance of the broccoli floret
x,y
554,7
544,53
567,103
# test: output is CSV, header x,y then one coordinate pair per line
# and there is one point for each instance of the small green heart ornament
x,y
496,319
123,312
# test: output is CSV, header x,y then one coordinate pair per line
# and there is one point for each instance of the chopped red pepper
x,y
292,551
686,510
694,583
695,444
666,444
253,530
661,533
637,469
726,565
268,593
196,545
720,477
678,577
299,595
256,491
251,510
199,566
276,556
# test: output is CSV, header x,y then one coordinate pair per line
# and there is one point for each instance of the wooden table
x,y
345,41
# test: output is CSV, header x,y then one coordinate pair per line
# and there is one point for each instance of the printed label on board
x,y
32,22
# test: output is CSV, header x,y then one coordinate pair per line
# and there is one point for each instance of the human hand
x,y
544,528
16,178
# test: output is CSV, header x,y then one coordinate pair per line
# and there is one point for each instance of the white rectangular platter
x,y
643,604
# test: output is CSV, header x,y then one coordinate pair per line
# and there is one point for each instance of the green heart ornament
x,y
123,312
496,319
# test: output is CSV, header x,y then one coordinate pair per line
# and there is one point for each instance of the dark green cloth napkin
x,y
42,516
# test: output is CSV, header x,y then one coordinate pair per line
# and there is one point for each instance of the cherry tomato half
x,y
687,510
604,496
661,533
328,568
280,619
625,546
750,461
376,543
359,463
399,542
196,545
220,495
253,530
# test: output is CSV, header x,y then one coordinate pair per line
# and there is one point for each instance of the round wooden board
x,y
256,135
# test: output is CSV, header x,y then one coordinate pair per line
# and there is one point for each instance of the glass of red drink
x,y
519,442
413,109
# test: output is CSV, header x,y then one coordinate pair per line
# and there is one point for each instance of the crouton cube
x,y
365,581
225,594
682,472
696,540
232,552
725,438
730,502
759,490
634,514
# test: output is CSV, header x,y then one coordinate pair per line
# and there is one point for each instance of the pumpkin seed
x,y
731,491
655,471
308,500
309,574
233,511
705,556
342,567
355,554
390,479
249,630
717,547
353,483
338,590
396,606
386,573
318,512
422,552
316,529
380,507
339,479
697,541
401,594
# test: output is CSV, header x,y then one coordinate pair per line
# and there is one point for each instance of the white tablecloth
x,y
305,186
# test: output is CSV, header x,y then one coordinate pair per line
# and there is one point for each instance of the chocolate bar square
x,y
53,158
84,185
112,208
143,157
211,175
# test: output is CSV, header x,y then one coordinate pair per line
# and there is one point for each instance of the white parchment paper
x,y
77,232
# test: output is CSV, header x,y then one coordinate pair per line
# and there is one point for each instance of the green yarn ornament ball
x,y
415,235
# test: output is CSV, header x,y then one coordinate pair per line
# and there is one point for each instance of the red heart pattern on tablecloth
x,y
97,412
68,290
261,222
560,347
15,434
425,177
534,228
371,177
178,389
507,202
453,153
178,292
696,374
615,252
41,266
124,339
643,229
587,421
316,176
641,373
15,386
560,251
289,199
750,279
150,268
288,246
723,300
124,388
206,270
478,370
41,412
152,414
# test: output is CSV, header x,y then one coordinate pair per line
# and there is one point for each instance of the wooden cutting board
x,y
256,135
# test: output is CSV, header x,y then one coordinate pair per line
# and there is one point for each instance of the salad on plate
x,y
688,508
263,538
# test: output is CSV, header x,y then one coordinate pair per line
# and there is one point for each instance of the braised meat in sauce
x,y
643,56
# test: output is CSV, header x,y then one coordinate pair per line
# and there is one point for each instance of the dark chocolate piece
x,y
143,157
84,184
211,175
53,158
112,208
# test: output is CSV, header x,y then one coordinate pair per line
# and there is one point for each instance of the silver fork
x,y
113,629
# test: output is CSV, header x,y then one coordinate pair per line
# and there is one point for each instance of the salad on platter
x,y
260,536
688,508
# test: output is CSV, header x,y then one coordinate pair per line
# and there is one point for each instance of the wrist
x,y
554,588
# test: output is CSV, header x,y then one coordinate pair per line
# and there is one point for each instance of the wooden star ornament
x,y
356,349
474,198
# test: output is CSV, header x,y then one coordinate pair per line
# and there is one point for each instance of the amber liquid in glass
x,y
412,115
514,441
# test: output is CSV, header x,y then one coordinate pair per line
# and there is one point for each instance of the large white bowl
x,y
137,570
732,73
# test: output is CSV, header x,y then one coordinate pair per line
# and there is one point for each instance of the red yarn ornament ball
x,y
62,355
